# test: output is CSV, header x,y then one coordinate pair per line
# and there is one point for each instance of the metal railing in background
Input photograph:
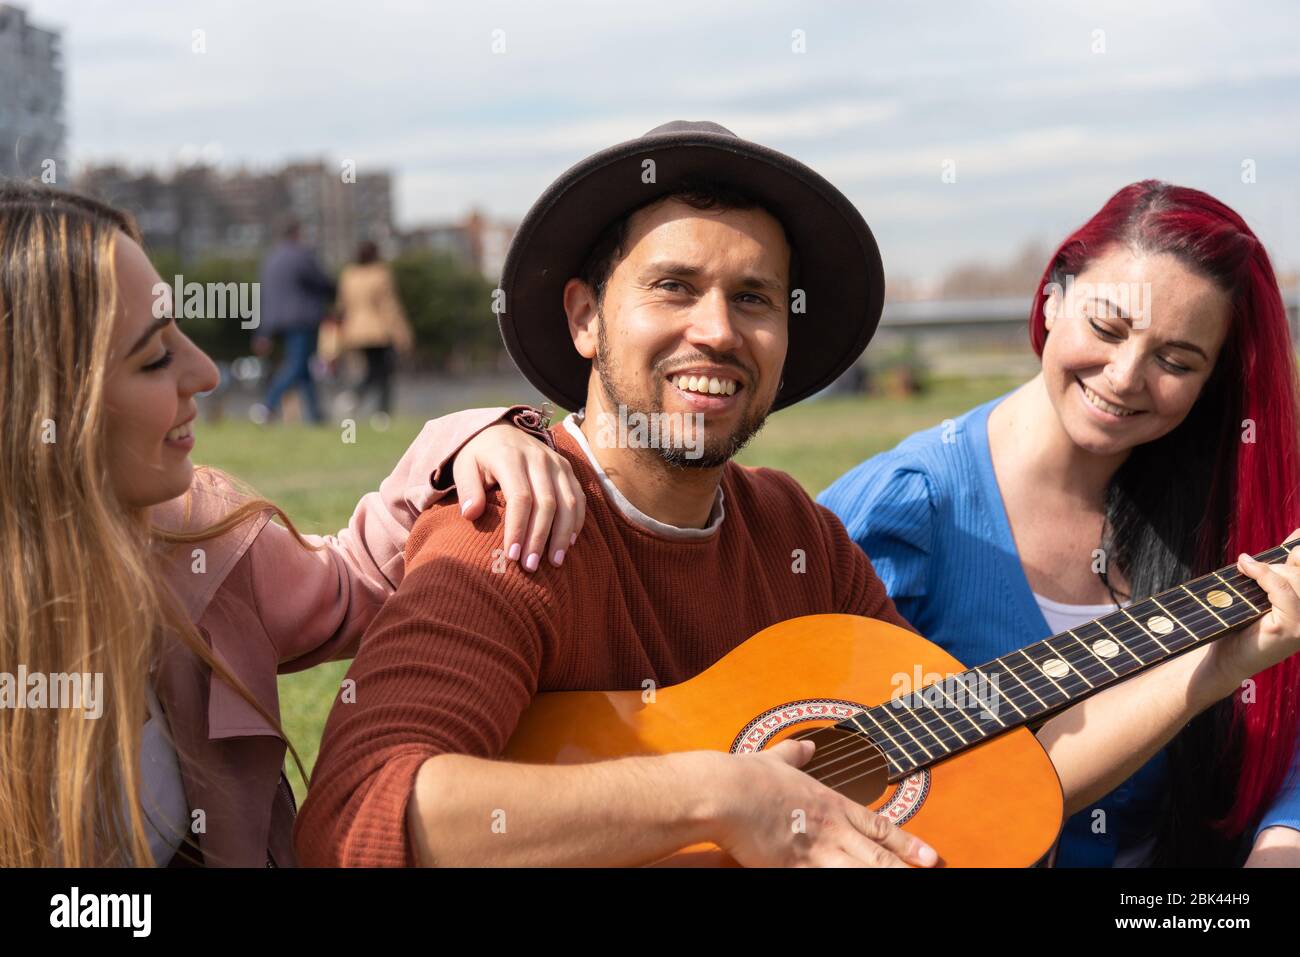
x,y
952,315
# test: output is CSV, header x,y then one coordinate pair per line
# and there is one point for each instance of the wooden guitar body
x,y
997,804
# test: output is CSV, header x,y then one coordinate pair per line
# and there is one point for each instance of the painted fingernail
x,y
513,554
559,556
573,538
927,855
464,506
531,562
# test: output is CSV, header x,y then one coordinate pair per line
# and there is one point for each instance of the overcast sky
x,y
1040,127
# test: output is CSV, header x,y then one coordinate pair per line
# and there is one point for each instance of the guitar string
x,y
878,749
835,754
1132,641
1179,607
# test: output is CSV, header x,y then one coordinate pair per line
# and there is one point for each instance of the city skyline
x,y
1041,123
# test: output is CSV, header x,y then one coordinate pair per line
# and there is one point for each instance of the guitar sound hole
x,y
848,763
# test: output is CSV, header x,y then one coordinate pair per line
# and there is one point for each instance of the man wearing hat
x,y
692,279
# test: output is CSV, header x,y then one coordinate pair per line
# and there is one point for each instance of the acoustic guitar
x,y
900,725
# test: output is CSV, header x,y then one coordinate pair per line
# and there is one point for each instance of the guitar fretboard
x,y
919,729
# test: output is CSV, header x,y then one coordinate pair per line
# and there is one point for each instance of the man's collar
x,y
631,512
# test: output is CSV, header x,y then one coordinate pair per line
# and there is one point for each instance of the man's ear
x,y
580,307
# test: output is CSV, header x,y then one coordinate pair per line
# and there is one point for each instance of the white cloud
x,y
883,95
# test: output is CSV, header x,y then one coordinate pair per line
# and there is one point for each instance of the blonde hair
x,y
82,589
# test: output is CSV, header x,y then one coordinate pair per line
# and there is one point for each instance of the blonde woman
x,y
171,593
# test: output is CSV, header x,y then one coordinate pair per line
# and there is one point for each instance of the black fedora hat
x,y
839,264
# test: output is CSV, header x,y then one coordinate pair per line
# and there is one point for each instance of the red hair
x,y
1260,379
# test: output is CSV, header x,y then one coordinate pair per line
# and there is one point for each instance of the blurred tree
x,y
450,308
1018,277
449,305
221,338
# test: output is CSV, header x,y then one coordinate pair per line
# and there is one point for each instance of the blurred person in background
x,y
295,295
374,323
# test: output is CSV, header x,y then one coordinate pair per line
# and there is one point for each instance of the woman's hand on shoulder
x,y
545,505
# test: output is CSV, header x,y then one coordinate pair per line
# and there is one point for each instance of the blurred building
x,y
476,241
31,97
199,212
338,213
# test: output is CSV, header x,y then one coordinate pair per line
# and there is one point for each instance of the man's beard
x,y
716,451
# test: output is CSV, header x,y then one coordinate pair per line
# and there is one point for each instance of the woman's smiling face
x,y
153,374
1133,339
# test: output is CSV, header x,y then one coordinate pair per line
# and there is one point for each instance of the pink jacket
x,y
266,605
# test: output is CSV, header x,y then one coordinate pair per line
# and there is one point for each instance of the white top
x,y
162,792
630,511
1062,617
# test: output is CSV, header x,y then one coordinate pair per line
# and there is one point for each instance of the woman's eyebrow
x,y
1176,343
1113,309
157,324
1189,346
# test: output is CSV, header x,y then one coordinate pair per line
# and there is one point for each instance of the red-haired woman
x,y
1158,443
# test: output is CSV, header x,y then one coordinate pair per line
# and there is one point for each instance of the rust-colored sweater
x,y
457,653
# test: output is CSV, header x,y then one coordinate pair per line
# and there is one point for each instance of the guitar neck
x,y
1029,685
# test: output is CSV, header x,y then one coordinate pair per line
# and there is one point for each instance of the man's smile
x,y
706,389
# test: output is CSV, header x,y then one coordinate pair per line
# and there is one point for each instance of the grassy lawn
x,y
317,479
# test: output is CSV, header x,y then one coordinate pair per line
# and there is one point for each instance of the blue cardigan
x,y
929,514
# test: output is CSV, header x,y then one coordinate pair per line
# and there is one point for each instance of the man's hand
x,y
774,815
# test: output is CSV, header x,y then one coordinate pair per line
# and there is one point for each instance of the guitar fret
x,y
979,703
1023,684
1053,673
1082,664
1200,616
1174,618
997,686
983,708
1005,685
927,715
1093,653
897,713
962,711
1237,593
1040,671
1148,649
1047,659
1208,608
1036,684
1226,604
1145,631
883,748
1248,588
1116,638
880,717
